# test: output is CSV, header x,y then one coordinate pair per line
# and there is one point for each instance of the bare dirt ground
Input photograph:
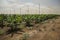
x,y
47,30
50,30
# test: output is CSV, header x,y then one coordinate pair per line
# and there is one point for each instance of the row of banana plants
x,y
10,19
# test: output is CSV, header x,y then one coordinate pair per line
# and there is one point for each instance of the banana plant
x,y
2,20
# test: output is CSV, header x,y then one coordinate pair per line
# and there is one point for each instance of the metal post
x,y
20,10
39,8
14,11
27,9
10,11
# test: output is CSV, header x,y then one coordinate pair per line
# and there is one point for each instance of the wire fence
x,y
28,10
23,10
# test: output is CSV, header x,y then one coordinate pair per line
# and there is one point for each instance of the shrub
x,y
1,32
25,36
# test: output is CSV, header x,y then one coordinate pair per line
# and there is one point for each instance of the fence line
x,y
28,10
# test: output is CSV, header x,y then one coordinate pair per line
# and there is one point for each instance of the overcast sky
x,y
53,3
22,3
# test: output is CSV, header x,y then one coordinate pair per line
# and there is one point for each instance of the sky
x,y
20,2
35,3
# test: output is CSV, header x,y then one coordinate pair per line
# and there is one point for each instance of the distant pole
x,y
39,8
10,11
0,11
27,9
14,11
6,11
20,10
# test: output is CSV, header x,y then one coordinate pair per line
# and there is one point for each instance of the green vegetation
x,y
1,32
15,22
25,36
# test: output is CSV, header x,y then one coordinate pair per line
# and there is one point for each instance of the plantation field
x,y
24,27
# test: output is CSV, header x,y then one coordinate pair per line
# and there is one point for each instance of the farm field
x,y
29,27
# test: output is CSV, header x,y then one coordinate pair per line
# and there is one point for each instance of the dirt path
x,y
43,35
